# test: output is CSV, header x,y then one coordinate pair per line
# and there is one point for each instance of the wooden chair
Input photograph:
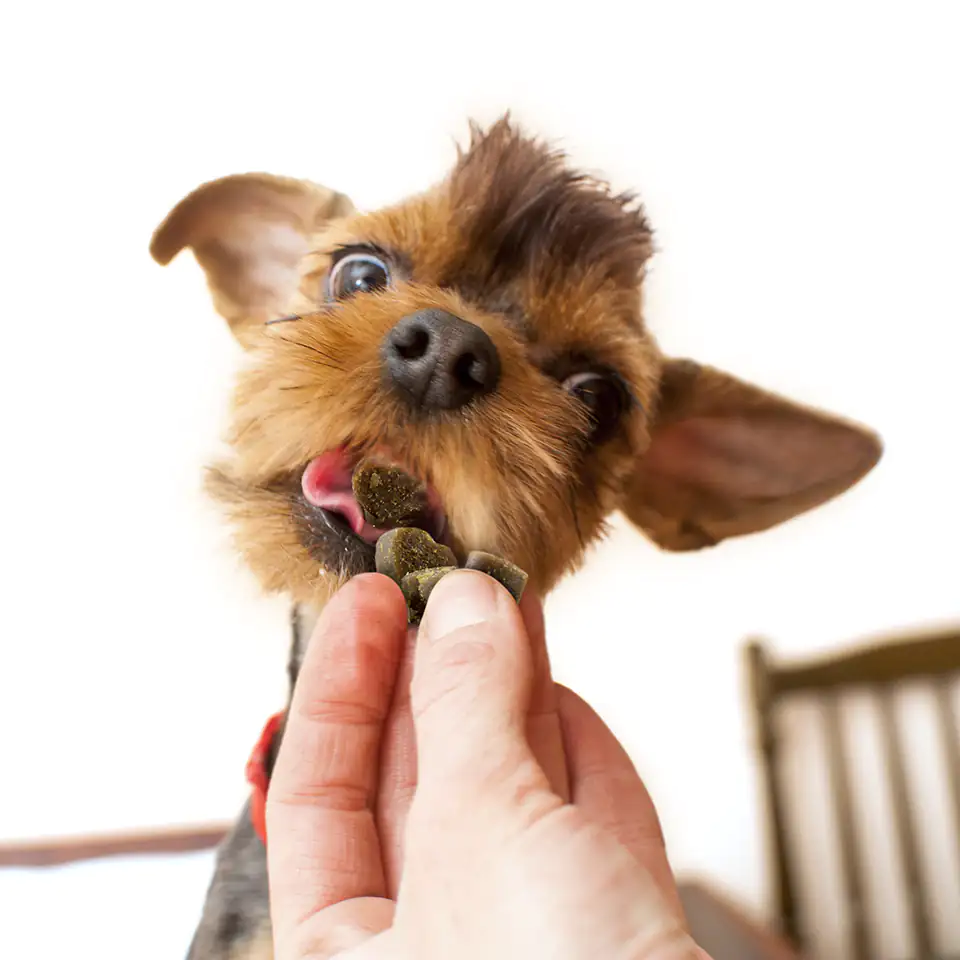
x,y
877,669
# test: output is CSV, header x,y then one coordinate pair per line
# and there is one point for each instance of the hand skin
x,y
438,796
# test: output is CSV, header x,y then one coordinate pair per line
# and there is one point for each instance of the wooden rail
x,y
55,851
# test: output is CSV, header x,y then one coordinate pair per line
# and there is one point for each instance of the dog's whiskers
x,y
572,498
327,361
291,317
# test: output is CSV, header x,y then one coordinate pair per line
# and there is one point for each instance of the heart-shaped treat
x,y
408,549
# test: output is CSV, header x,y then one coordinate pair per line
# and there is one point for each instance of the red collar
x,y
257,775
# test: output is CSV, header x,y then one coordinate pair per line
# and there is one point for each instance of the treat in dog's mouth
x,y
388,495
330,485
371,513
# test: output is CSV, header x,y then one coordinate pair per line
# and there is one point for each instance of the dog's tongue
x,y
327,484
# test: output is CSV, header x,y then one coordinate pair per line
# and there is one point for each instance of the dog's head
x,y
488,334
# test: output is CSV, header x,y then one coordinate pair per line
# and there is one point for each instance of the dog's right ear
x,y
249,233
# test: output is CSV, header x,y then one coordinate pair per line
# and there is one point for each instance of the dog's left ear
x,y
249,233
727,458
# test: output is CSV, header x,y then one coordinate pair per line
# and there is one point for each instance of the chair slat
x,y
950,733
849,855
905,832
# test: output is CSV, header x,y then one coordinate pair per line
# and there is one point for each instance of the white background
x,y
802,170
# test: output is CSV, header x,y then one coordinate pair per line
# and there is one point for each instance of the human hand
x,y
521,828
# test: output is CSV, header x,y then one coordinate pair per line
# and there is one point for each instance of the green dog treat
x,y
388,495
507,573
418,586
407,549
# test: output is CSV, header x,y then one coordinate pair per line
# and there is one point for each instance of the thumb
x,y
471,689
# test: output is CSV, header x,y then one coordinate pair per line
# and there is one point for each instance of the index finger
x,y
398,774
323,846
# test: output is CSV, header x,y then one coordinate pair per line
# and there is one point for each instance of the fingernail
x,y
461,599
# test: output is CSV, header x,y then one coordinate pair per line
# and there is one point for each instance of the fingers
x,y
398,774
398,771
471,691
322,840
605,785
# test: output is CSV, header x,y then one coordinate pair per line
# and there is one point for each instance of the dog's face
x,y
488,335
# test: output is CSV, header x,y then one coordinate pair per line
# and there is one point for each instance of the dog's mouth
x,y
336,518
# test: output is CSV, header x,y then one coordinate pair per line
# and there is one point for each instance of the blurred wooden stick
x,y
54,851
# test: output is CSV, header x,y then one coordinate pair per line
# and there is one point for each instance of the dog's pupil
x,y
593,395
364,277
603,402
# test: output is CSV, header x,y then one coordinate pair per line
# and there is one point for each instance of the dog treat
x,y
418,586
507,573
388,496
414,560
407,550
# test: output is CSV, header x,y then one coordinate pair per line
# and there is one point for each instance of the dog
x,y
487,334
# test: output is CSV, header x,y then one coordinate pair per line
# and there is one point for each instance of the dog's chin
x,y
331,523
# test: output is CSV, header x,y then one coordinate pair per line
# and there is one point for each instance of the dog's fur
x,y
550,264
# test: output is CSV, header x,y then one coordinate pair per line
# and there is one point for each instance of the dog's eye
x,y
604,398
357,273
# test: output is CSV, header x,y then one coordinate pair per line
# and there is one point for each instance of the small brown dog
x,y
488,335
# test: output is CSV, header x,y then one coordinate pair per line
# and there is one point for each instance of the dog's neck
x,y
303,619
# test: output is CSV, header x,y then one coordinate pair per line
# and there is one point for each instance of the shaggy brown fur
x,y
550,264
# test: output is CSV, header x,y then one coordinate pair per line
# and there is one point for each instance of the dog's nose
x,y
438,361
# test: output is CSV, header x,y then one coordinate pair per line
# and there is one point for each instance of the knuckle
x,y
348,712
340,796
